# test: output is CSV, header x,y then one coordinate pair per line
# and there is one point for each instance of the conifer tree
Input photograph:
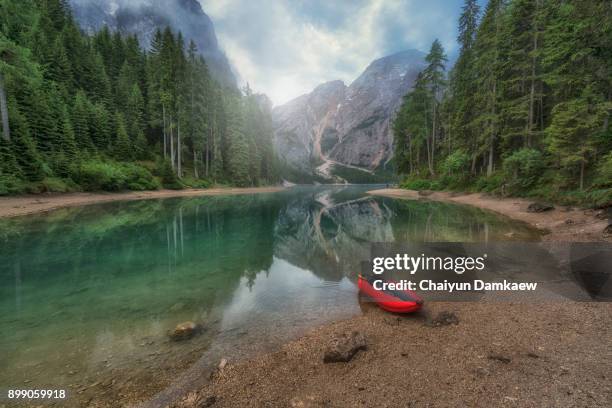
x,y
80,121
486,99
435,79
24,148
123,147
463,76
237,144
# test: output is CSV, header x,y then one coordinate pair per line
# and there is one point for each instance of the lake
x,y
88,295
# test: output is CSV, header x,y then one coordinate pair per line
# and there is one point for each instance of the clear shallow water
x,y
87,295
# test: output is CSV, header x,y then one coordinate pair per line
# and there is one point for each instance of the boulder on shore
x,y
539,207
344,347
185,331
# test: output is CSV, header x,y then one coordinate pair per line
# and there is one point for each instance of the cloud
x,y
285,48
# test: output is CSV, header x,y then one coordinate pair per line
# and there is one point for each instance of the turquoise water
x,y
87,295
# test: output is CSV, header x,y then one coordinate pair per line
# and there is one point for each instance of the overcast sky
x,y
285,48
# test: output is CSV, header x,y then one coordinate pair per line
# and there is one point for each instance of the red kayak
x,y
396,301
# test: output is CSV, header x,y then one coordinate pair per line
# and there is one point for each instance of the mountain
x,y
143,17
337,126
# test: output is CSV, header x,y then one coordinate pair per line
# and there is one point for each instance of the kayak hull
x,y
405,301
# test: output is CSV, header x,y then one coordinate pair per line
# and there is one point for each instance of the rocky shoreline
x,y
450,354
469,354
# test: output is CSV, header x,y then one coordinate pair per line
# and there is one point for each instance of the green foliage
x,y
417,184
490,184
81,115
196,183
604,172
456,163
10,184
168,176
123,146
50,185
112,176
523,168
24,148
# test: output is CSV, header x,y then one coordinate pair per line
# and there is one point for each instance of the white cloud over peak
x,y
285,48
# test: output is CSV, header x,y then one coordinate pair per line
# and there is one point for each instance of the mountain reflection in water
x,y
88,294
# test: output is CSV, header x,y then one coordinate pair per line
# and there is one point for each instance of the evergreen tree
x,y
435,78
522,76
24,148
237,156
135,111
487,90
463,76
123,147
80,121
569,133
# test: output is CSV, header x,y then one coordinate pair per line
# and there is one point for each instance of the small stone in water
x,y
185,331
222,363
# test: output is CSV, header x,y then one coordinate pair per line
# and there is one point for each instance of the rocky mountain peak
x,y
336,125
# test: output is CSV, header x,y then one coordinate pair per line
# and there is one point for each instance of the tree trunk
x,y
164,130
490,164
207,150
172,145
6,129
433,140
427,146
493,130
411,164
449,134
531,113
195,163
582,174
178,150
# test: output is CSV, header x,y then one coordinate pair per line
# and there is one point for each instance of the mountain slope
x,y
336,125
143,17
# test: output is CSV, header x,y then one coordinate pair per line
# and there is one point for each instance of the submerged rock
x,y
344,347
539,207
185,331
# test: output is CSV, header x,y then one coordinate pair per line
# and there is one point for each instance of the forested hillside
x,y
101,113
524,111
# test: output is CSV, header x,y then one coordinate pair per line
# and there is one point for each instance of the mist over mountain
x,y
339,125
144,17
